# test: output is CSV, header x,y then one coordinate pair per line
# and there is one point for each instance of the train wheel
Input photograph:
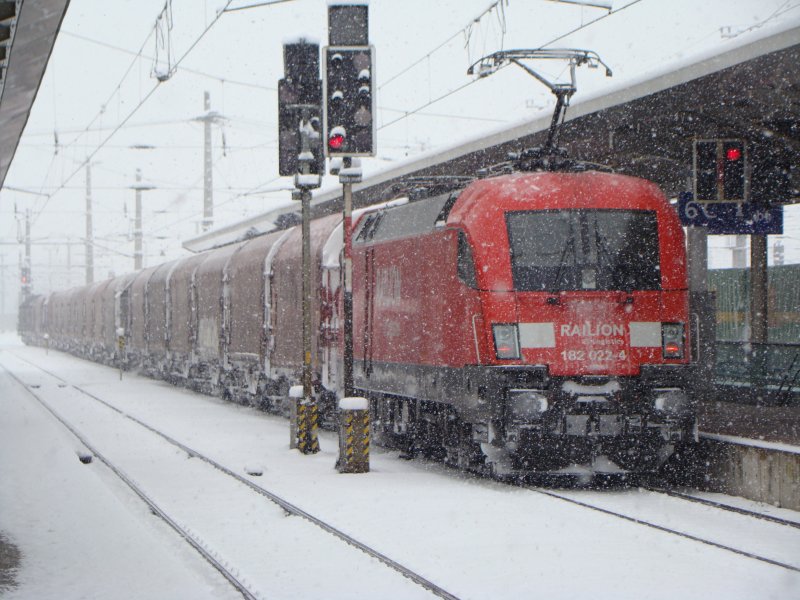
x,y
642,455
687,466
381,435
460,451
499,463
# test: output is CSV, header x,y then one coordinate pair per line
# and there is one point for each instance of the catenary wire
x,y
134,110
444,43
472,81
185,69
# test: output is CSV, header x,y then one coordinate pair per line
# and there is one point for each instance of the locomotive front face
x,y
586,313
588,295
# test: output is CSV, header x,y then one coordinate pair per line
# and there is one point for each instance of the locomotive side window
x,y
559,250
370,225
466,264
408,220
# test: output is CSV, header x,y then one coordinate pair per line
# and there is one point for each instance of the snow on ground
x,y
84,534
80,531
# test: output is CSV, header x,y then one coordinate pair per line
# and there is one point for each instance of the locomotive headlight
x,y
672,401
672,340
506,340
525,405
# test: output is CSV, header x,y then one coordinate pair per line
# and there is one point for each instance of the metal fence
x,y
767,373
732,290
750,372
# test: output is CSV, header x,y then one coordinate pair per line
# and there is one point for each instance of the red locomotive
x,y
529,322
525,322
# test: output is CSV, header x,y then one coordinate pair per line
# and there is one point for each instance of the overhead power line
x,y
442,45
184,69
127,126
469,83
97,116
133,111
592,22
256,5
446,116
199,214
103,106
108,188
23,190
265,87
434,101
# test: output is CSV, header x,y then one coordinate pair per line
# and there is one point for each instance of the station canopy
x,y
28,30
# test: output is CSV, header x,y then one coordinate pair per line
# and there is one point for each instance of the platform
x,y
751,451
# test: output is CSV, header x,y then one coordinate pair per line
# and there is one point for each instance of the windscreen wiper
x,y
611,264
569,246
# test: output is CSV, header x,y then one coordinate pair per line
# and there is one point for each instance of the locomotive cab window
x,y
562,250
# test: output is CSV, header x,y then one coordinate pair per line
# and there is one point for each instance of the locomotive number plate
x,y
603,355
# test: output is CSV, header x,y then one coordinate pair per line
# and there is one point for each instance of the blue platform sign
x,y
730,218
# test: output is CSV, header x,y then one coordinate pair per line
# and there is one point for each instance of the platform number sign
x,y
720,170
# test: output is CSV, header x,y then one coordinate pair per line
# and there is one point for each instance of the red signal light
x,y
336,141
733,153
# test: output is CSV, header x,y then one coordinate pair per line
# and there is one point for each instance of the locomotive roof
x,y
480,208
542,190
558,190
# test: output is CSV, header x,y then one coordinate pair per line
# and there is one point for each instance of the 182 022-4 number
x,y
604,355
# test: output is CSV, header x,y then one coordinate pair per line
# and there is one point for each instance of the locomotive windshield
x,y
555,250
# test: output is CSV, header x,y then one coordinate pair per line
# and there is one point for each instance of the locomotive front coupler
x,y
598,408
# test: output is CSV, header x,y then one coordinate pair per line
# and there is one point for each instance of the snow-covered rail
x,y
157,510
474,537
228,572
691,497
627,506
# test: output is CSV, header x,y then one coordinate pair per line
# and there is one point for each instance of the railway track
x,y
723,506
618,513
604,504
227,572
232,579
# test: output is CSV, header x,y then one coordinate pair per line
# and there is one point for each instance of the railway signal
x,y
349,93
349,101
299,100
348,24
300,154
349,131
720,170
770,174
